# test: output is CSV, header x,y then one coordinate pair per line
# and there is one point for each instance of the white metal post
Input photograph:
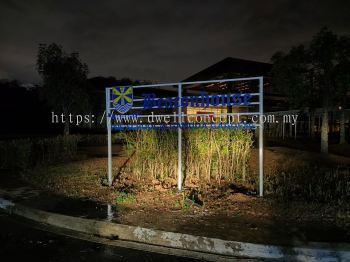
x,y
261,138
109,133
109,212
179,140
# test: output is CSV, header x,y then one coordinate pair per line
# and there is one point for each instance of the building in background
x,y
235,68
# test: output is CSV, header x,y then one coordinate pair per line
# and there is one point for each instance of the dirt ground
x,y
225,211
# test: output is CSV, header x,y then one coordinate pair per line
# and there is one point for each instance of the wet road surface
x,y
20,242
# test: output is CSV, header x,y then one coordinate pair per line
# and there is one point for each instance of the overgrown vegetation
x,y
155,153
210,157
208,154
310,183
217,153
222,155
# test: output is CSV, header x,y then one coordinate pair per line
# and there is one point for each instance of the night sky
x,y
159,40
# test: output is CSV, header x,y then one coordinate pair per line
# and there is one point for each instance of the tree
x,y
292,77
64,80
316,76
342,79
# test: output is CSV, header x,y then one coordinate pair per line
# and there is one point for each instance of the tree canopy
x,y
64,79
316,76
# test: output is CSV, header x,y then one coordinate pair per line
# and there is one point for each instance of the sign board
x,y
125,111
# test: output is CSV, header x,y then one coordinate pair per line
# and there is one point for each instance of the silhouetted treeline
x,y
23,113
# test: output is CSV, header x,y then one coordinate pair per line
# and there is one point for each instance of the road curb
x,y
311,252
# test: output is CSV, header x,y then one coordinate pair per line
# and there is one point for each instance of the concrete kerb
x,y
311,252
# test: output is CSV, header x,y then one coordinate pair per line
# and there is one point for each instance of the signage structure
x,y
121,100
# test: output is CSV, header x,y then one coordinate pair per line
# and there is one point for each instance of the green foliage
x,y
125,198
22,154
208,154
184,205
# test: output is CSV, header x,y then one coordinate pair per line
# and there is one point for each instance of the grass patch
x,y
125,198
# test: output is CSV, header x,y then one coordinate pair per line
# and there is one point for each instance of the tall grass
x,y
217,153
207,153
154,152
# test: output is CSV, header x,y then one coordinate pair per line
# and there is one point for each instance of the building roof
x,y
232,67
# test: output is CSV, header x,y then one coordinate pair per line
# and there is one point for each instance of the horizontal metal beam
x,y
176,85
210,96
223,114
156,107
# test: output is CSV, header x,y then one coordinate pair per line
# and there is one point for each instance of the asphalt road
x,y
20,242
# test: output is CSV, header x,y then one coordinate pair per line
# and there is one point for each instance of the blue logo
x,y
122,99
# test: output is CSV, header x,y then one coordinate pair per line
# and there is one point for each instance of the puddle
x,y
20,192
84,208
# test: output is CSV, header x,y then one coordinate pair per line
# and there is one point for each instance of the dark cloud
x,y
159,40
